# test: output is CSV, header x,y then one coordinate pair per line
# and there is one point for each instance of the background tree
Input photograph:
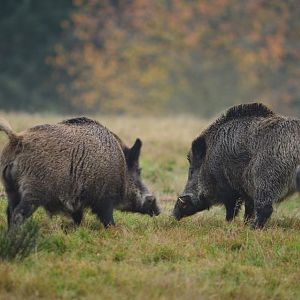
x,y
195,56
142,56
29,29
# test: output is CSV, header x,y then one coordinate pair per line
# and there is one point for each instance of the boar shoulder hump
x,y
79,121
248,110
258,110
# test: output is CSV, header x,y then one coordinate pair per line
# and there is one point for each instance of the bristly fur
x,y
40,127
79,121
255,109
258,110
87,121
247,110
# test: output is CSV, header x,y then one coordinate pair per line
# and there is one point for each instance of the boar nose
x,y
185,197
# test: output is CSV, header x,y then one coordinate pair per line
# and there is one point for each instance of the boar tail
x,y
4,126
298,179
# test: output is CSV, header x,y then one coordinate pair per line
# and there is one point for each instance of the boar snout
x,y
184,206
150,206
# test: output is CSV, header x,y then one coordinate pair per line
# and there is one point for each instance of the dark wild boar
x,y
249,154
70,166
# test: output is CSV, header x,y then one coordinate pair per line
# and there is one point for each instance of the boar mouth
x,y
154,212
157,213
176,216
149,206
202,203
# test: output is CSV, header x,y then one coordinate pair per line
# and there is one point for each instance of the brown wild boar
x,y
70,166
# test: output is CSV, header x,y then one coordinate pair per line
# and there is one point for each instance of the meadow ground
x,y
201,257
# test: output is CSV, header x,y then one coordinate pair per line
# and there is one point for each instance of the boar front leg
x,y
77,216
104,211
249,210
263,212
263,201
232,208
13,200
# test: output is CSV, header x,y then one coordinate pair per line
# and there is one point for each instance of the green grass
x,y
201,257
19,242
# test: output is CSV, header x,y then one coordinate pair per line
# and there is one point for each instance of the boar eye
x,y
139,171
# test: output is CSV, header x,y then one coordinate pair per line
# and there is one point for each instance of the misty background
x,y
148,57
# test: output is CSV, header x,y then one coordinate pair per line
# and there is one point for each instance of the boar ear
x,y
199,148
134,153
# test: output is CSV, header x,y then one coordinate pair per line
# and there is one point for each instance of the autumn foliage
x,y
175,55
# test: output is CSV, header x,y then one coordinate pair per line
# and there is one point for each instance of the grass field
x,y
201,257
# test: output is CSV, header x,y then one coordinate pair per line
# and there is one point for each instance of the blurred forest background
x,y
141,56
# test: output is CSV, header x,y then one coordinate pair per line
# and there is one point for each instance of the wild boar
x,y
249,154
70,166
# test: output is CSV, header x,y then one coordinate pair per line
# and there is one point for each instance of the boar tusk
x,y
180,199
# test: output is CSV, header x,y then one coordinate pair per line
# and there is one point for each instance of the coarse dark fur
x,y
249,154
298,179
70,166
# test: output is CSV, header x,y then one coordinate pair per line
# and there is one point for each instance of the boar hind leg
x,y
105,213
13,195
13,201
23,210
268,181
